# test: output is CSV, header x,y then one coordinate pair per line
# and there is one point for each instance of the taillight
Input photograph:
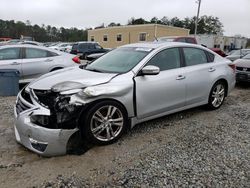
x,y
77,60
232,66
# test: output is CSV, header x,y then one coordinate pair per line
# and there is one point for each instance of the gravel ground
x,y
194,148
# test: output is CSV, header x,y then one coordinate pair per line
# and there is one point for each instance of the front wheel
x,y
217,95
104,123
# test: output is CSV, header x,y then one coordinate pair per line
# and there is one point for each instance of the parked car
x,y
243,69
237,54
129,85
83,49
31,43
218,51
59,46
4,39
33,61
185,39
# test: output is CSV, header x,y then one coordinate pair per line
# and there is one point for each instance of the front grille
x,y
20,106
22,101
243,69
46,98
26,96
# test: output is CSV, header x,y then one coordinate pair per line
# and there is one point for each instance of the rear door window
x,y
9,53
194,56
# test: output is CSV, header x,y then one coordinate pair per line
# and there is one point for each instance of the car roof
x,y
174,37
87,42
159,44
29,46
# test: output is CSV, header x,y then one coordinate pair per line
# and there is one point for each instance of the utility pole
x,y
197,17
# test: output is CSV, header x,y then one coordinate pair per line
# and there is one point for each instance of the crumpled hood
x,y
75,74
242,63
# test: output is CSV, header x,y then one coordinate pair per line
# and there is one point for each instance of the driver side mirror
x,y
150,70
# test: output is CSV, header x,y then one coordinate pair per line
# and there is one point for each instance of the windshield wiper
x,y
93,69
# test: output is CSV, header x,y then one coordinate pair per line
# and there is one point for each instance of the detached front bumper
x,y
243,76
41,140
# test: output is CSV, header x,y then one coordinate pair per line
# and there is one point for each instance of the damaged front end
x,y
46,120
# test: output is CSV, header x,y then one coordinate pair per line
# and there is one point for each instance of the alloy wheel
x,y
106,123
218,95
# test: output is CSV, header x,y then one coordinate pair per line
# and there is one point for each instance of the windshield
x,y
120,60
246,56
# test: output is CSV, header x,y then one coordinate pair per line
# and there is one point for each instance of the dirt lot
x,y
196,148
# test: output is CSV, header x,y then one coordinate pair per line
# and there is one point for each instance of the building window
x,y
142,36
119,37
105,37
92,38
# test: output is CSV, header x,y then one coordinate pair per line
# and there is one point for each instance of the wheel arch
x,y
225,82
56,68
89,105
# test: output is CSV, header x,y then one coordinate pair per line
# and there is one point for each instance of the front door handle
x,y
15,63
180,77
211,69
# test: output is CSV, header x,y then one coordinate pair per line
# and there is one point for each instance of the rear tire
x,y
217,95
104,123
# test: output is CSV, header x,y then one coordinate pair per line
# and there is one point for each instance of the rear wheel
x,y
104,123
217,95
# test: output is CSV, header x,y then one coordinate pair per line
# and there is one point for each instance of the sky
x,y
234,14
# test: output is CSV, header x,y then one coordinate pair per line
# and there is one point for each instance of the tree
x,y
165,21
155,20
176,22
113,24
138,21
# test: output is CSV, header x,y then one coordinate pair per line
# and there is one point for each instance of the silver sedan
x,y
33,61
127,86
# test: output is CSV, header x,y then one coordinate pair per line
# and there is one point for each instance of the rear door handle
x,y
15,63
180,77
211,69
48,60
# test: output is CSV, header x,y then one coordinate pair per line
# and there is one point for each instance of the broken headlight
x,y
41,120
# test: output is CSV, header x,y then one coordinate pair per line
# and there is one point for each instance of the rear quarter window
x,y
51,54
210,57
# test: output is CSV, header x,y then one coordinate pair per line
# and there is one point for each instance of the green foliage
x,y
40,33
206,24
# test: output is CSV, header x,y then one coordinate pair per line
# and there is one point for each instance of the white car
x,y
237,54
33,61
59,46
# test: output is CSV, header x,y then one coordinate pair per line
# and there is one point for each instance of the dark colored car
x,y
218,51
83,49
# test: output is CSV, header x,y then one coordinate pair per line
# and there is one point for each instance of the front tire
x,y
104,123
217,95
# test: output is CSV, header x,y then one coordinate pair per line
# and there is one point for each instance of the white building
x,y
225,43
